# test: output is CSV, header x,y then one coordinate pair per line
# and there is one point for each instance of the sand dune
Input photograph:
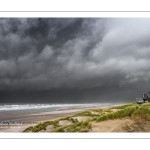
x,y
87,120
116,125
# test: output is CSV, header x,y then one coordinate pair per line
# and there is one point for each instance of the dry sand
x,y
116,125
26,120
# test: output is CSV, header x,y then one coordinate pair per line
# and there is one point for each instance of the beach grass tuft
x,y
88,113
42,126
98,110
145,104
85,113
131,110
123,106
142,113
29,129
70,119
82,126
127,111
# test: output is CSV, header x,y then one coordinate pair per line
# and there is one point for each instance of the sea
x,y
9,109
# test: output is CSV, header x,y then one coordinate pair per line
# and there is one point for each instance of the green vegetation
x,y
70,119
85,113
42,126
83,126
98,110
88,113
131,110
146,104
29,129
80,127
39,127
55,123
126,112
142,113
124,106
109,110
66,118
61,129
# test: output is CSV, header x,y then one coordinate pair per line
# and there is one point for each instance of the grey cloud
x,y
7,68
48,53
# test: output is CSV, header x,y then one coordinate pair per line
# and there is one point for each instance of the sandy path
x,y
111,125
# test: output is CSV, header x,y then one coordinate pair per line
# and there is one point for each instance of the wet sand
x,y
17,123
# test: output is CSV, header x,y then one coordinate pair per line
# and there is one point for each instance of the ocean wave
x,y
15,107
46,106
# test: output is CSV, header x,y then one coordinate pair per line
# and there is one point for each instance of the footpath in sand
x,y
116,125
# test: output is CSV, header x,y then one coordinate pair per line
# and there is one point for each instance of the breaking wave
x,y
11,107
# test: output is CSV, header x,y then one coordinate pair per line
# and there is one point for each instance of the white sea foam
x,y
12,107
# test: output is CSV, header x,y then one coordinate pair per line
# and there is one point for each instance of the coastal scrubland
x,y
129,117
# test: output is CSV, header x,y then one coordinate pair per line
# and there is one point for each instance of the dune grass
x,y
60,129
142,113
126,112
29,129
98,110
69,119
85,113
123,106
131,110
42,126
145,104
108,110
82,126
89,113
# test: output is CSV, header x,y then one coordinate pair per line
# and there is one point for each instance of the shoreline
x,y
21,122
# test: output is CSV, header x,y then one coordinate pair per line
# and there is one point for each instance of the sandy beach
x,y
95,119
23,121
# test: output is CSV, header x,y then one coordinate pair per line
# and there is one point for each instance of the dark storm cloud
x,y
95,57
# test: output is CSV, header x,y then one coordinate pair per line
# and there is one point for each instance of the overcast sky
x,y
74,59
